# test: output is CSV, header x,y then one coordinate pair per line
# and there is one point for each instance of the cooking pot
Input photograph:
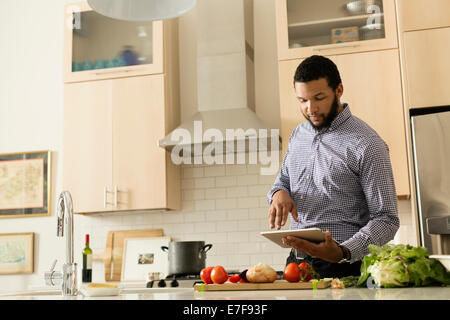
x,y
186,257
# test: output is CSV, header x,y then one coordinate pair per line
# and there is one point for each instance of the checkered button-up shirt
x,y
341,180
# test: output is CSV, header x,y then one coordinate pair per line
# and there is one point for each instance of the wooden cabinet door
x,y
87,147
372,88
139,165
420,14
427,67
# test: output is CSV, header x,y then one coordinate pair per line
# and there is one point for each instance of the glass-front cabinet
x,y
306,27
99,47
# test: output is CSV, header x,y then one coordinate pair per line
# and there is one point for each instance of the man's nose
x,y
312,107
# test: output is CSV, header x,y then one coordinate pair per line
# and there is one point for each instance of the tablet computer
x,y
312,234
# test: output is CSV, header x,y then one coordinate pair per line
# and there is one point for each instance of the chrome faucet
x,y
69,274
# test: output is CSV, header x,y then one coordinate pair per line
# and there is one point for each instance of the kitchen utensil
x,y
444,259
113,255
359,7
276,285
186,257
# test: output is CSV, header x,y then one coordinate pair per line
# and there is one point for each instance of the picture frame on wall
x,y
16,253
143,256
25,184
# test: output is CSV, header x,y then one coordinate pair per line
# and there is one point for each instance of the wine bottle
x,y
87,262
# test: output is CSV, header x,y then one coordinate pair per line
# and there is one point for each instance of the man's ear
x,y
339,90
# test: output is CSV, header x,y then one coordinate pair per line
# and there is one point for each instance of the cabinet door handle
x,y
116,191
337,46
105,197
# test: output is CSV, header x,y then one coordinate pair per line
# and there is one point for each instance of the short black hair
x,y
316,67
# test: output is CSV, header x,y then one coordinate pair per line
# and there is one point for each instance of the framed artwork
x,y
142,256
25,184
16,253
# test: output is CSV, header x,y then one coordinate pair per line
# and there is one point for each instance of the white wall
x,y
223,205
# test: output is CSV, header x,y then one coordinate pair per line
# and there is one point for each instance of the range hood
x,y
225,84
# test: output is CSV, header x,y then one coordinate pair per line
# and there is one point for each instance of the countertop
x,y
423,293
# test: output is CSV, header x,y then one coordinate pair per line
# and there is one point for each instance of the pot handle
x,y
164,248
206,248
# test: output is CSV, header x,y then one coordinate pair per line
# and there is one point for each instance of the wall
x,y
224,205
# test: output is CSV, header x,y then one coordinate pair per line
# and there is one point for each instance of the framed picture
x,y
142,256
16,253
25,184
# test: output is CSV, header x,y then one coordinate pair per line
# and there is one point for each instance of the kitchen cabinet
x,y
372,88
307,27
113,117
111,160
420,14
98,47
426,64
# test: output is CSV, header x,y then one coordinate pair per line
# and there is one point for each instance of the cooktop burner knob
x,y
161,283
174,283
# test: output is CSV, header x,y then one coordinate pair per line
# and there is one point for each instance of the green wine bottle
x,y
87,262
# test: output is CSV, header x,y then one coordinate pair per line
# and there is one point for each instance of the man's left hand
x,y
327,250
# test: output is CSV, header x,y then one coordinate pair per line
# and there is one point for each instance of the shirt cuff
x,y
357,251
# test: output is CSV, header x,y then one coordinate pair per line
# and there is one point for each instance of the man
x,y
336,176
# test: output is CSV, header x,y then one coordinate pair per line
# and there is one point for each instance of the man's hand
x,y
282,204
327,250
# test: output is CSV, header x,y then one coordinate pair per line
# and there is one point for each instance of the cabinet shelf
x,y
319,28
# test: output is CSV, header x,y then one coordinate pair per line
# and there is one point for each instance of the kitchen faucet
x,y
69,275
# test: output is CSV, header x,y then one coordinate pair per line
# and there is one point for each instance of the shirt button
x,y
312,156
318,137
307,177
301,197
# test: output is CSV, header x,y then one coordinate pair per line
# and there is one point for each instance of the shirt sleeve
x,y
282,181
377,182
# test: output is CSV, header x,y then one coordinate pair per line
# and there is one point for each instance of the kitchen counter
x,y
424,293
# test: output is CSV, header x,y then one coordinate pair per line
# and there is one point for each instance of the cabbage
x,y
400,265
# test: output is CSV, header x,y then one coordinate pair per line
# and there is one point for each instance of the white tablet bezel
x,y
311,234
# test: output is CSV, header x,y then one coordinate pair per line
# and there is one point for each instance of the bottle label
x,y
89,261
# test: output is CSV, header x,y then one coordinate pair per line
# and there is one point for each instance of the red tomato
x,y
306,271
219,275
235,278
242,281
291,272
205,275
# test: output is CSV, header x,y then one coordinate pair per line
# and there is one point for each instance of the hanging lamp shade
x,y
142,10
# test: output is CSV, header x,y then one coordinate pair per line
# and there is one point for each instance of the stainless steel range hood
x,y
225,82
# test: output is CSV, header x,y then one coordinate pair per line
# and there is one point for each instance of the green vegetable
x,y
402,266
349,281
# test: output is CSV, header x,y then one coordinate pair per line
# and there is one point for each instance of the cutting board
x,y
113,254
276,285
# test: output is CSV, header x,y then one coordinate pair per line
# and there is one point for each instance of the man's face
x,y
319,103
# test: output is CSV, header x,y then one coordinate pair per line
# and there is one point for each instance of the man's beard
x,y
328,118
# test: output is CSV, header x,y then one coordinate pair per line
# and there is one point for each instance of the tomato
x,y
235,278
242,281
219,275
306,271
205,275
291,272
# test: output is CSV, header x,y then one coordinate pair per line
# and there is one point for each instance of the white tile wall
x,y
224,205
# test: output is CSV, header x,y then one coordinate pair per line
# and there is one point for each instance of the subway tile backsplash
x,y
224,205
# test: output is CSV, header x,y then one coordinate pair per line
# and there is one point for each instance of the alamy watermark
x,y
209,148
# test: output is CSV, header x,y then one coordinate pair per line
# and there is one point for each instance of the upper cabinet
x,y
324,27
421,14
97,47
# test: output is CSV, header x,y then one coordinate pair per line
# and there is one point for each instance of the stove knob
x,y
161,283
174,283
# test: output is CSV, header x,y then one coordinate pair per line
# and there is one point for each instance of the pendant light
x,y
142,10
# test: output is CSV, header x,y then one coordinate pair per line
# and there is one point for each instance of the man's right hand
x,y
282,204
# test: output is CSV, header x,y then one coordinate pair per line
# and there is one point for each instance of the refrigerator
x,y
430,132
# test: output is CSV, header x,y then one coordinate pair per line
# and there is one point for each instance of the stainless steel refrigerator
x,y
430,130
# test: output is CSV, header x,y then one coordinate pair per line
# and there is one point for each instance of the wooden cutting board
x,y
113,254
276,285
